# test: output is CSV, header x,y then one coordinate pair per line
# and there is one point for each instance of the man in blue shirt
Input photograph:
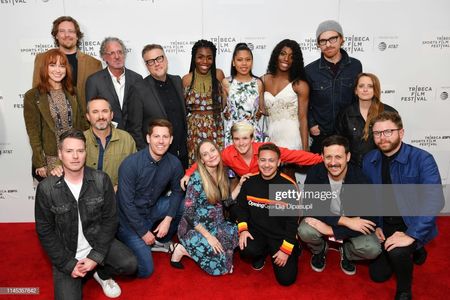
x,y
410,222
331,79
149,196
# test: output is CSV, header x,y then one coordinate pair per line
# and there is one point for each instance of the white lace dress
x,y
283,124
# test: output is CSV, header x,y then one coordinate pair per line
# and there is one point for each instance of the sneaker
x,y
109,286
162,247
258,263
318,261
347,266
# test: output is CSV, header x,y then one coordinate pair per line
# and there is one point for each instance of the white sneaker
x,y
162,247
109,286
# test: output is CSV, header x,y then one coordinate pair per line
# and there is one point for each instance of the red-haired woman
x,y
50,108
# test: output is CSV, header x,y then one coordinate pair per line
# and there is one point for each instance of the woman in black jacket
x,y
354,122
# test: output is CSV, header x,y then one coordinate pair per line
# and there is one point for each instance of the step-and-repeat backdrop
x,y
405,42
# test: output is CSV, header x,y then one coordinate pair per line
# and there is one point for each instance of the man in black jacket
x,y
357,233
158,96
76,221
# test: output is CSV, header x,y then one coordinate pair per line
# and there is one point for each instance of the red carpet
x,y
24,264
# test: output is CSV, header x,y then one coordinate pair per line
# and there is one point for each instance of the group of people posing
x,y
117,152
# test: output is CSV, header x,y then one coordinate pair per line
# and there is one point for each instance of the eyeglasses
x,y
152,61
70,31
112,53
332,40
386,133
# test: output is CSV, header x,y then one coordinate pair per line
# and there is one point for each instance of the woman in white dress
x,y
286,96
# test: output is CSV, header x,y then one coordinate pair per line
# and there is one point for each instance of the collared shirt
x,y
119,85
101,150
233,159
142,181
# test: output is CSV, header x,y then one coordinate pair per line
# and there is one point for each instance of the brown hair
x,y
151,47
376,107
270,147
394,117
51,57
66,19
216,189
160,123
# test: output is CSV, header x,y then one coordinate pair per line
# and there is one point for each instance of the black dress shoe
x,y
403,296
175,264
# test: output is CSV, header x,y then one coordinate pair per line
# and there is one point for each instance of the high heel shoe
x,y
175,264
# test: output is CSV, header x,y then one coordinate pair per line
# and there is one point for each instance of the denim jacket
x,y
56,215
329,94
411,166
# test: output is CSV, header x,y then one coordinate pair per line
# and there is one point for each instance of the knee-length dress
x,y
199,211
204,119
242,105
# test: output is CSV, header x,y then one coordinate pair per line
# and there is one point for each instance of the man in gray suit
x,y
158,96
113,83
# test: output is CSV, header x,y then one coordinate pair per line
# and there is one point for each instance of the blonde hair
x,y
242,127
216,189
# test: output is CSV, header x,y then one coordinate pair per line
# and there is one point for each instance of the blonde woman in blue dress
x,y
243,92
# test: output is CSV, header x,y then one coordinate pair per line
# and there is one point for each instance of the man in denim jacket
x,y
331,79
76,221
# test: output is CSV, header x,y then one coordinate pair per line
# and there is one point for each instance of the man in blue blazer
x,y
158,96
404,227
113,82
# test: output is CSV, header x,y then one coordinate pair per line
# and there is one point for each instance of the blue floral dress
x,y
199,211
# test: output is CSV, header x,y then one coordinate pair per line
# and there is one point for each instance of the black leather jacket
x,y
350,124
56,215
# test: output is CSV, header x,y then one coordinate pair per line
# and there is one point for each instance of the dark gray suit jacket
x,y
145,105
100,84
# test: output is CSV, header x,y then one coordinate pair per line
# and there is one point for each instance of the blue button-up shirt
x,y
142,181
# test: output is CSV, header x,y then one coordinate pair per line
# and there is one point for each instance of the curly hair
x,y
297,70
66,19
215,94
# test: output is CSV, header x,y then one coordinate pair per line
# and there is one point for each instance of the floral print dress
x,y
242,105
199,211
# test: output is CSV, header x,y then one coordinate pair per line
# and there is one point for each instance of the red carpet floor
x,y
24,264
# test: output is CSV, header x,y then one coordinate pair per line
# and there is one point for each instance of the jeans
x,y
119,261
137,244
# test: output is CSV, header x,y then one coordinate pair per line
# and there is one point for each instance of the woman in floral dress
x,y
203,97
243,92
204,234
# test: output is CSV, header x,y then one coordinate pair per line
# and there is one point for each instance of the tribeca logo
x,y
91,47
13,2
430,140
440,42
177,46
309,44
417,94
355,43
223,44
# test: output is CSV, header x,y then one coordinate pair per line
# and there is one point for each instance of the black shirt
x,y
73,61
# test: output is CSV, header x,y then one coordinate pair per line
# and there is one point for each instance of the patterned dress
x,y
204,119
199,211
242,104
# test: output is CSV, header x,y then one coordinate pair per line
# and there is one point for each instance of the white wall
x,y
405,42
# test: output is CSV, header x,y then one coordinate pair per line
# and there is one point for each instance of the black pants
x,y
119,261
261,245
316,146
398,261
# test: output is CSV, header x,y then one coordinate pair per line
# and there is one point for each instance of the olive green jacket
x,y
119,147
41,127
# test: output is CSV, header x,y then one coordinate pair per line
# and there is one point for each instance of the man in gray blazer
x,y
158,96
113,82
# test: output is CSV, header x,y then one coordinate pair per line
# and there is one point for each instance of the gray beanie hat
x,y
329,25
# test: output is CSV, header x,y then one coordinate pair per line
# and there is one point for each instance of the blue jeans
x,y
143,251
